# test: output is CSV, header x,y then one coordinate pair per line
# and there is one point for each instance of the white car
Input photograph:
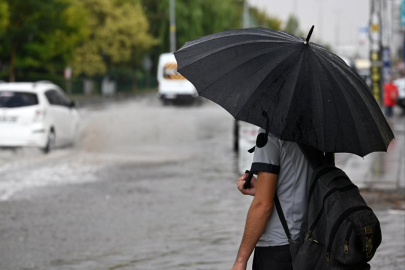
x,y
36,115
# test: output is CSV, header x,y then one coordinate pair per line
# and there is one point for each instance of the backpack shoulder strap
x,y
281,216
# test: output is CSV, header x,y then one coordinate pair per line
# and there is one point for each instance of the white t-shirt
x,y
285,159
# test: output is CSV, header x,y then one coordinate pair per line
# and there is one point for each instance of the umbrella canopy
x,y
309,95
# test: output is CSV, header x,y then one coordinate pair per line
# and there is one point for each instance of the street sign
x,y
403,13
375,55
147,63
67,73
386,63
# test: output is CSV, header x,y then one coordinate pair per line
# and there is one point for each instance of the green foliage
x,y
119,36
4,16
55,47
261,19
98,36
292,26
42,34
194,18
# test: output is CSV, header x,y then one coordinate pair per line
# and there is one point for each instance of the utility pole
x,y
375,49
295,8
172,26
320,18
338,14
246,14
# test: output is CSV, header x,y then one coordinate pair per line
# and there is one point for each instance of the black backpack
x,y
341,231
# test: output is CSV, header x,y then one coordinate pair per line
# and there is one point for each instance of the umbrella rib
x,y
240,32
339,62
218,50
282,83
315,67
301,61
283,34
342,65
255,71
333,97
262,83
338,83
366,112
201,90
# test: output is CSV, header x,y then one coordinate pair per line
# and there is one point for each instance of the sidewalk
x,y
379,171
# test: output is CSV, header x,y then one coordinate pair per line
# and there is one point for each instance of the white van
x,y
172,85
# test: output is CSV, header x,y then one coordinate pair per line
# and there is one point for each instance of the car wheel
x,y
50,143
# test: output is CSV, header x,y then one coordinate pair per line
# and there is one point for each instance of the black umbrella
x,y
301,91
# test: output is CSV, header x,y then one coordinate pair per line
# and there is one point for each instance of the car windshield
x,y
11,99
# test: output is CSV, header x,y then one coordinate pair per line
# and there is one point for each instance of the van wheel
x,y
50,143
166,102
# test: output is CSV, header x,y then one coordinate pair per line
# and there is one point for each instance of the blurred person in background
x,y
390,96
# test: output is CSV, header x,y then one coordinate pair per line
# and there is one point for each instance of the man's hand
x,y
249,191
239,266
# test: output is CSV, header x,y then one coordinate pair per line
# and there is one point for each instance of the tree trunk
x,y
13,57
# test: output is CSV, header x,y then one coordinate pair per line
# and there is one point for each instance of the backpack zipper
x,y
316,178
339,221
347,238
330,192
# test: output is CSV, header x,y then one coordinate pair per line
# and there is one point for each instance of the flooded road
x,y
145,187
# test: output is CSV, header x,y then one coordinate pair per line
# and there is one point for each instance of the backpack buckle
x,y
369,241
369,247
308,235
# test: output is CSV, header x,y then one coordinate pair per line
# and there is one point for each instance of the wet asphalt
x,y
146,186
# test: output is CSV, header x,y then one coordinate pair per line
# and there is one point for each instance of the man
x,y
281,167
390,96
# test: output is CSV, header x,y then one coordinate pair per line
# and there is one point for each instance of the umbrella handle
x,y
248,179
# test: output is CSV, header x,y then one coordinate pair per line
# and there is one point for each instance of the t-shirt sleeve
x,y
267,158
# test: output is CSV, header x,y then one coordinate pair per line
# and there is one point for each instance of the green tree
x,y
194,18
292,26
119,37
4,16
42,34
261,19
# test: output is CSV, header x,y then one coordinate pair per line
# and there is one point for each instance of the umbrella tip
x,y
309,35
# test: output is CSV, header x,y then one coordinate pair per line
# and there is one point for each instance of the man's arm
x,y
258,215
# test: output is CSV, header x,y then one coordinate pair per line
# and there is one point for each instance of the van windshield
x,y
170,72
11,99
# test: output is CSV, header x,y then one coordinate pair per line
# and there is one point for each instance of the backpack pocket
x,y
354,237
352,247
308,255
295,245
347,245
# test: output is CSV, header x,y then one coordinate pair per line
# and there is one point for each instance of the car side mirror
x,y
72,104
